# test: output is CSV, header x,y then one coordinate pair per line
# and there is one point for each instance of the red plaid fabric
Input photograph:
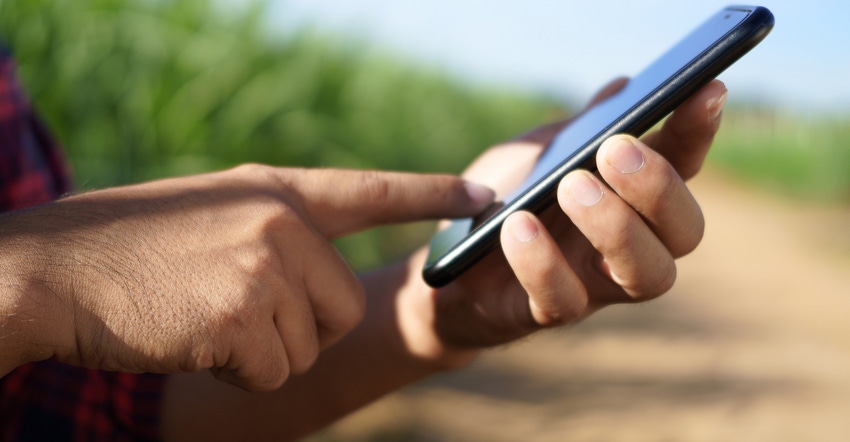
x,y
49,400
32,170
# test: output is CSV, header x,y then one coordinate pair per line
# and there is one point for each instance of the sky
x,y
569,49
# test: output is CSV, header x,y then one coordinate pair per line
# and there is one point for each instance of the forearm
x,y
375,359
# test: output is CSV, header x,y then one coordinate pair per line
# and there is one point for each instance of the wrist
x,y
32,322
414,306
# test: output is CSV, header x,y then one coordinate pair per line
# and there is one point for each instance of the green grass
x,y
797,156
142,89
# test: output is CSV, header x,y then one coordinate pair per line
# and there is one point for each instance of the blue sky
x,y
569,48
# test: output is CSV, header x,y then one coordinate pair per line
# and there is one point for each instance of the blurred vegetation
x,y
794,154
141,89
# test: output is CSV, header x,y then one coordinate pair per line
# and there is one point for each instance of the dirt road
x,y
753,343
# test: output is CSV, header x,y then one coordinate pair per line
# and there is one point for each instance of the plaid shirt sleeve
x,y
49,400
32,169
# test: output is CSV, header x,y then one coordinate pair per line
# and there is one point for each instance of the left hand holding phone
x,y
613,237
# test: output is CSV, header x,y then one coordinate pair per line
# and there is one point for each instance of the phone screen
x,y
645,100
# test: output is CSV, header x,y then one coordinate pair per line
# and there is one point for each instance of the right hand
x,y
231,271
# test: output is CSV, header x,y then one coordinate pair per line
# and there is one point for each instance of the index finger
x,y
339,201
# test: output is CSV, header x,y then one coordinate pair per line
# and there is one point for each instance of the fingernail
x,y
480,195
521,227
622,154
715,106
583,189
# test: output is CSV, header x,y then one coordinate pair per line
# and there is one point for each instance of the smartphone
x,y
646,99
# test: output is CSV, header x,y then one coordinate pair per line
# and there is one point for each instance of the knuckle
x,y
272,376
263,264
685,222
261,369
251,170
547,318
690,238
654,283
373,186
665,280
554,300
272,219
690,169
348,313
301,361
302,351
358,310
668,186
253,262
697,231
232,318
269,182
201,358
566,312
621,226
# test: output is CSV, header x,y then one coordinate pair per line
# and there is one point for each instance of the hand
x,y
230,271
612,238
559,273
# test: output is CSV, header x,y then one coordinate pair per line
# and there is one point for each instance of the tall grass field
x,y
143,89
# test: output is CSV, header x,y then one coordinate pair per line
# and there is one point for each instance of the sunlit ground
x,y
753,343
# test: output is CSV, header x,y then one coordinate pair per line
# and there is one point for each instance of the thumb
x,y
345,201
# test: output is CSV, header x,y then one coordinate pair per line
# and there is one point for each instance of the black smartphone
x,y
647,98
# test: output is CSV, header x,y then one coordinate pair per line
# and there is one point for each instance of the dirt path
x,y
753,343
